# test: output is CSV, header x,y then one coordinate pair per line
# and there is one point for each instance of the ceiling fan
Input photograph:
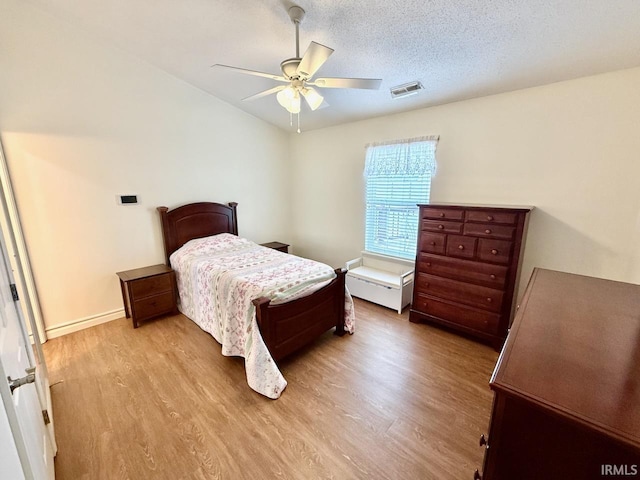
x,y
297,73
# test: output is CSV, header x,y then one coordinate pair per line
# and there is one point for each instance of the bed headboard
x,y
195,220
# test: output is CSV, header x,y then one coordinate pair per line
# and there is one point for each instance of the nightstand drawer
x,y
150,286
155,305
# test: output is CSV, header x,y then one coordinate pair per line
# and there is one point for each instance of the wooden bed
x,y
285,327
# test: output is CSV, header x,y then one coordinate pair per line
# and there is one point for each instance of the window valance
x,y
414,156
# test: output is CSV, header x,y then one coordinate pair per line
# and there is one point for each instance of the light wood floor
x,y
395,400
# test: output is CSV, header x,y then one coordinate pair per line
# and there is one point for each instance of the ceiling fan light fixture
x,y
313,98
295,104
289,99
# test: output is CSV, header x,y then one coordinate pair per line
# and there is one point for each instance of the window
x,y
398,177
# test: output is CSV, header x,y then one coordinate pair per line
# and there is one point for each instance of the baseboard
x,y
81,324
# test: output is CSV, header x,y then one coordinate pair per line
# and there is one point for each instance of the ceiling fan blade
x,y
264,93
252,72
366,83
313,59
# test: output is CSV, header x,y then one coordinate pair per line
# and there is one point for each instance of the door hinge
x,y
14,292
45,417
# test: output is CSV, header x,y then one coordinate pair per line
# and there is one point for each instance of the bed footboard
x,y
289,326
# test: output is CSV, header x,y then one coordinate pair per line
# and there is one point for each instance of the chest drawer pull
x,y
440,226
489,217
492,276
441,215
487,231
489,299
460,247
428,264
483,440
432,243
494,252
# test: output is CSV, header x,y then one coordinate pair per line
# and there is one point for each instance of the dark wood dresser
x,y
567,383
467,264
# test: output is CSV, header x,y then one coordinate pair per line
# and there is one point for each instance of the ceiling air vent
x,y
406,89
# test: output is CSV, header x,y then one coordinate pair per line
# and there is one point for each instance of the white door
x,y
16,252
23,406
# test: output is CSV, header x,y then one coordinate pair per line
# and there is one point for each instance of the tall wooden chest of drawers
x,y
467,264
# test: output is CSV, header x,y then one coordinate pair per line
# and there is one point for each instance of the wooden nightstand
x,y
281,247
148,292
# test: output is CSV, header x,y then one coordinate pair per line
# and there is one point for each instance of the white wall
x,y
571,149
82,122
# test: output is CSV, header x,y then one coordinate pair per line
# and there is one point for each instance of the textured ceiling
x,y
458,49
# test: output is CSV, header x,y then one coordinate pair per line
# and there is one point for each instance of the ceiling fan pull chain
x,y
298,123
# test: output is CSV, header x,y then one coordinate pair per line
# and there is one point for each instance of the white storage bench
x,y
380,279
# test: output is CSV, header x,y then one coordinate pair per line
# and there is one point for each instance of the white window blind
x,y
398,177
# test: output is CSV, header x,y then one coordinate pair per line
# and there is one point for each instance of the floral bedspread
x,y
219,276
